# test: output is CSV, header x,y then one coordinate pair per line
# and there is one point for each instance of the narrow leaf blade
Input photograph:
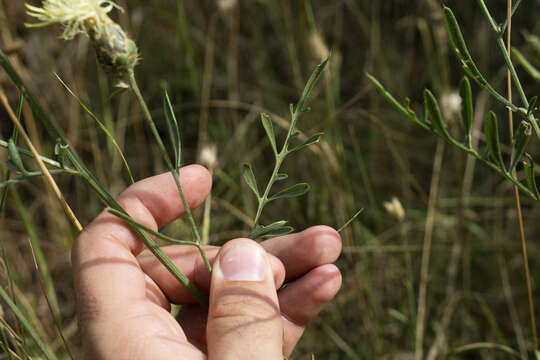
x,y
269,128
293,191
310,84
467,109
491,131
435,115
404,109
249,178
15,157
173,130
281,176
262,230
529,175
312,140
521,139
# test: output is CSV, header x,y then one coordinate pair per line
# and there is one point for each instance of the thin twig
x,y
47,175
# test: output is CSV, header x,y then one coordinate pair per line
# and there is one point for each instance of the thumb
x,y
244,320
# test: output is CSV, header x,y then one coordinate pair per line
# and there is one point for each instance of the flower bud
x,y
115,51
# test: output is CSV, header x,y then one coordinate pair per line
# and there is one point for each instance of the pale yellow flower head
x,y
72,14
115,51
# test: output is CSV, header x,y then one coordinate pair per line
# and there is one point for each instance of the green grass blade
x,y
26,324
101,126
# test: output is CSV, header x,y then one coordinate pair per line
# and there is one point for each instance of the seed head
x,y
451,105
116,52
208,155
395,209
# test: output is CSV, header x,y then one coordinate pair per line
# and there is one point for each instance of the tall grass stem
x,y
517,201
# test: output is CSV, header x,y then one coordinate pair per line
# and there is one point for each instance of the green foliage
x,y
278,228
437,125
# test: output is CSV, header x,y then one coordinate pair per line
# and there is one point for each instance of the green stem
x,y
85,174
174,172
502,47
295,115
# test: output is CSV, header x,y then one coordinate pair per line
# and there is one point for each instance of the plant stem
x,y
506,54
48,178
511,74
280,156
174,172
90,179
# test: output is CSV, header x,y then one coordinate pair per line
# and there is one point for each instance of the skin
x,y
124,293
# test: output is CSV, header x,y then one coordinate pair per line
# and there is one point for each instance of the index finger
x,y
107,274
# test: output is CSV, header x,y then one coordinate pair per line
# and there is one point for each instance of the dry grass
x,y
222,69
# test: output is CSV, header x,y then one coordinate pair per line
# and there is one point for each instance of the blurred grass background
x,y
224,62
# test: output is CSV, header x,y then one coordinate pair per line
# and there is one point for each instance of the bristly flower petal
x,y
72,14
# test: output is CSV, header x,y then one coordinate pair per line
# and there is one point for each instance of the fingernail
x,y
243,262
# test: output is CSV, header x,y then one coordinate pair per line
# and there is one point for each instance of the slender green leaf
x,y
310,84
532,105
130,221
468,64
15,157
293,191
404,109
435,115
173,130
521,139
535,42
467,109
269,128
14,168
262,230
26,152
61,146
249,177
387,95
527,66
491,131
460,47
350,220
529,175
28,175
278,232
281,176
312,140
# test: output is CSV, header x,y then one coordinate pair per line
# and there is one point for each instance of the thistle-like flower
x,y
116,52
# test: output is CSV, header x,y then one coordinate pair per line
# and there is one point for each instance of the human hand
x,y
124,293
